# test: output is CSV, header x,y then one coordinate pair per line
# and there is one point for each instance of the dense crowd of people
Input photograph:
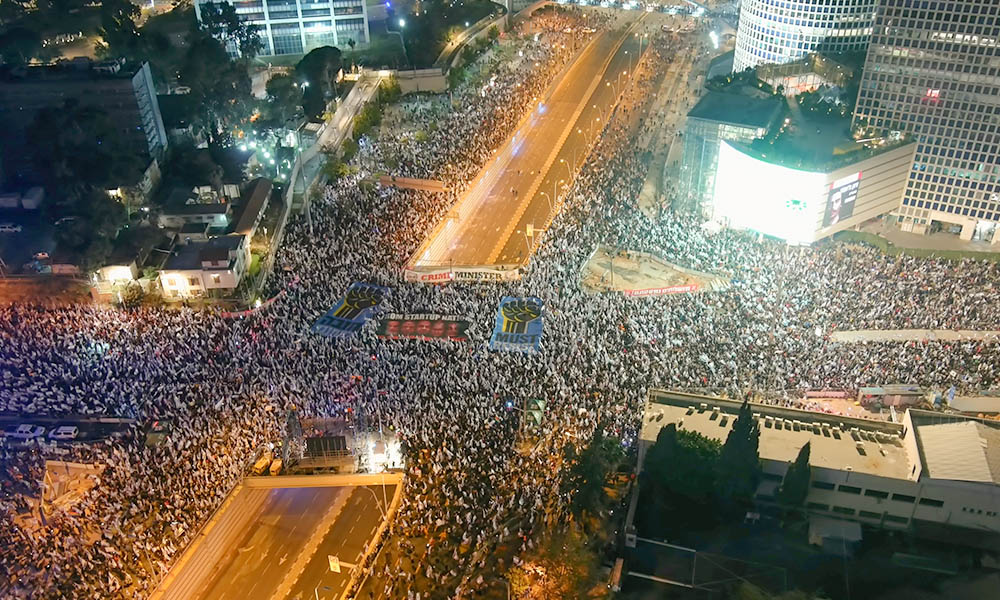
x,y
223,385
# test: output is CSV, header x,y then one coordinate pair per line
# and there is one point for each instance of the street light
x,y
547,199
568,172
402,42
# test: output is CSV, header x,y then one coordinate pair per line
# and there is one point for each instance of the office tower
x,y
932,72
298,26
779,31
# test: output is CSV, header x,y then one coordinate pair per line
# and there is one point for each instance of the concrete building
x,y
933,474
198,268
298,26
776,196
934,73
124,91
720,116
780,31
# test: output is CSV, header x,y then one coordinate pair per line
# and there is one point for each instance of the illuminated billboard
x,y
840,201
774,200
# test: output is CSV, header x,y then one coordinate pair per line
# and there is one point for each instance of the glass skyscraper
x,y
932,72
781,31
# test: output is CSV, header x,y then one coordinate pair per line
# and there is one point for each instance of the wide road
x,y
346,540
487,225
255,566
274,543
538,210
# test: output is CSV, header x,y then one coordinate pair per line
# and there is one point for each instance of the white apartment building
x,y
935,474
201,267
780,31
298,26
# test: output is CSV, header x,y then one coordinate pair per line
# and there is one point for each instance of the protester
x,y
224,384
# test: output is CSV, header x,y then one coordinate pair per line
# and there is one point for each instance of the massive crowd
x,y
222,384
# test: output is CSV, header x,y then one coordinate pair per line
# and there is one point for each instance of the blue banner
x,y
519,325
346,318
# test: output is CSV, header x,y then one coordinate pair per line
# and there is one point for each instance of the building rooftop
x,y
252,202
188,257
76,69
960,450
738,108
874,448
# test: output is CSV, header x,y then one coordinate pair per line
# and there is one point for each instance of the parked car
x,y
24,431
9,228
64,432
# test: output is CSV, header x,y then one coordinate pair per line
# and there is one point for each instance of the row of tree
x,y
688,473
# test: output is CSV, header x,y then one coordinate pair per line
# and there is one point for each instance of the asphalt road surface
x,y
255,565
264,546
353,530
519,185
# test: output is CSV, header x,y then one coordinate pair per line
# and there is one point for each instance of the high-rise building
x,y
780,31
298,26
933,71
124,91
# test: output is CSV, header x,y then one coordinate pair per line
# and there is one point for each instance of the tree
x,y
80,148
284,97
681,463
121,37
19,45
563,566
589,470
493,34
220,88
317,72
220,20
738,470
795,487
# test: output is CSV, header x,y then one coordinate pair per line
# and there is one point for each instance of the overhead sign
x,y
347,317
468,274
518,325
423,326
334,563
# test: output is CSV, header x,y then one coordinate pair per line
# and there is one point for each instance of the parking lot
x,y
17,248
88,429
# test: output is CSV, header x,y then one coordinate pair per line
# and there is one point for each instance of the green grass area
x,y
254,265
870,239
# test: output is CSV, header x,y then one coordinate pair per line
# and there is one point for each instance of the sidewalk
x,y
933,241
916,335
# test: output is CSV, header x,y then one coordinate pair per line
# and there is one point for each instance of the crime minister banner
x,y
519,325
346,318
423,326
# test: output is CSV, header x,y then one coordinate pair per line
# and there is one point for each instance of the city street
x,y
275,543
346,540
520,185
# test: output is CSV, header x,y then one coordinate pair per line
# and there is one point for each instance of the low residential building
x,y
134,251
933,474
199,268
253,203
186,206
